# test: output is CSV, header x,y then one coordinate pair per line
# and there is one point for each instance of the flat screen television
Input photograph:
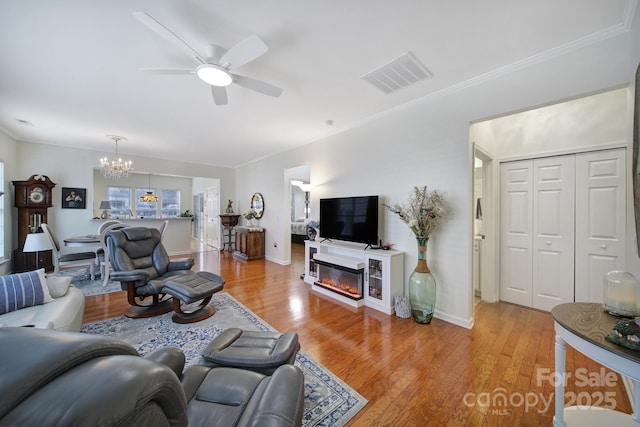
x,y
352,219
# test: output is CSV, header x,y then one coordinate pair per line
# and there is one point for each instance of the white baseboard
x,y
277,260
465,323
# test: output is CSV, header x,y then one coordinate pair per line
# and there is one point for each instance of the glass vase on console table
x,y
312,229
422,286
312,233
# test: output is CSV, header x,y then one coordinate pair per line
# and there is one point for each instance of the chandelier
x,y
149,197
116,168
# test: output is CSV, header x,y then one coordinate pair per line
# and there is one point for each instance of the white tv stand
x,y
383,272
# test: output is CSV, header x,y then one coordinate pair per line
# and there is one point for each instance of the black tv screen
x,y
352,219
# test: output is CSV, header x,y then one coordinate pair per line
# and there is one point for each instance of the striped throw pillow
x,y
23,290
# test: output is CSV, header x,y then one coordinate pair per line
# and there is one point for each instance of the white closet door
x,y
600,220
553,231
516,226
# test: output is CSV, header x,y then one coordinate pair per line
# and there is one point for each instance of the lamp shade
x,y
105,204
37,242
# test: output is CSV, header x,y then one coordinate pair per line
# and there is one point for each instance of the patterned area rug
x,y
81,279
328,401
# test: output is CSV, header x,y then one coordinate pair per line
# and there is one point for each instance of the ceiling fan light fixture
x,y
214,75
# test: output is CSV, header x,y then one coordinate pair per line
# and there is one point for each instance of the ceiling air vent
x,y
397,73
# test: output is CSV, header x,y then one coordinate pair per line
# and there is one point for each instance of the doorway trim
x,y
290,174
489,261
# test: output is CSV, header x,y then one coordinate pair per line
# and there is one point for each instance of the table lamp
x,y
37,242
105,205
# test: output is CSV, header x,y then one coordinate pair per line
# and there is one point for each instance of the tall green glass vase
x,y
422,286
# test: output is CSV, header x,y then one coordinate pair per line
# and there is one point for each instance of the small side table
x,y
229,221
584,326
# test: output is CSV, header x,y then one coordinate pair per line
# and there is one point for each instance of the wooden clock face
x,y
37,195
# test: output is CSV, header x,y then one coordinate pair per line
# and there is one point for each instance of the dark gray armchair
x,y
54,378
142,266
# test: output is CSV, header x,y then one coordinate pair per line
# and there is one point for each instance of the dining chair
x,y
69,259
107,224
99,249
105,264
163,229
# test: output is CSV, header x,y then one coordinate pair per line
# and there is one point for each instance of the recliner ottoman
x,y
257,351
191,288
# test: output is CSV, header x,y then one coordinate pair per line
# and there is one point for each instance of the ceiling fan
x,y
215,68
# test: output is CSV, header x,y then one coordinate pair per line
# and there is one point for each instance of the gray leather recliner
x,y
142,266
54,378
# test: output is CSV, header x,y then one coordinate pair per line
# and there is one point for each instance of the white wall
x,y
427,143
8,154
584,123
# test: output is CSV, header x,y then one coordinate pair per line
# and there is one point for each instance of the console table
x,y
584,326
383,272
249,243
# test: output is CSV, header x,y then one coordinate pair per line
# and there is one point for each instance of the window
x,y
170,202
120,198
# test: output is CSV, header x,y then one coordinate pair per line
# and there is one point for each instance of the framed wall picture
x,y
74,198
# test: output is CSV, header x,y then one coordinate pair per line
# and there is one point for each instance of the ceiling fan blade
x,y
167,70
244,52
163,31
257,85
219,95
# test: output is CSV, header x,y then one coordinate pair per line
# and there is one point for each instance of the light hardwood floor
x,y
412,375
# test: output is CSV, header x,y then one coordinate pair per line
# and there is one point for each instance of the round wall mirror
x,y
257,204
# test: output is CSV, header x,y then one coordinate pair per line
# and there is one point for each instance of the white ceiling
x,y
69,67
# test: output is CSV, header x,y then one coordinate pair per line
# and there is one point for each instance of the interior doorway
x,y
298,208
485,237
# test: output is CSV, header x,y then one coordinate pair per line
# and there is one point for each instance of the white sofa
x,y
64,312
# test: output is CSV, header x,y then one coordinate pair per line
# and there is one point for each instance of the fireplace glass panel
x,y
341,280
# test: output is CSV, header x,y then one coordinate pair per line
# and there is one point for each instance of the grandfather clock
x,y
32,198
